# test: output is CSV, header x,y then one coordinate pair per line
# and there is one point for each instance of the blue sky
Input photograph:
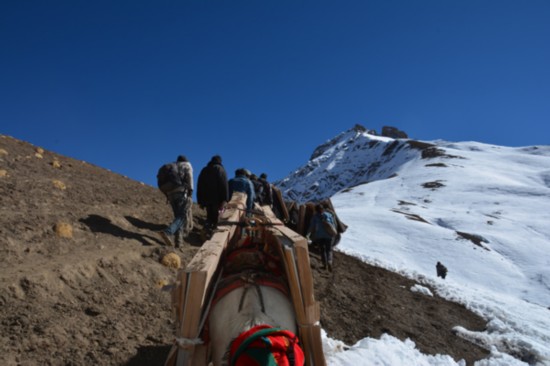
x,y
129,85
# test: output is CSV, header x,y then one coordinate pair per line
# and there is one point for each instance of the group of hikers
x,y
214,190
175,180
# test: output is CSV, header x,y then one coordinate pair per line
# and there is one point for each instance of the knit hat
x,y
263,345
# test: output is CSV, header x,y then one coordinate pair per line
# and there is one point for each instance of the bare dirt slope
x,y
80,277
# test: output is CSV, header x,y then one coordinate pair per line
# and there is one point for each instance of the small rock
x,y
171,260
64,230
59,184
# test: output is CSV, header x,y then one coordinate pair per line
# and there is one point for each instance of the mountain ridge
x,y
362,156
365,157
94,296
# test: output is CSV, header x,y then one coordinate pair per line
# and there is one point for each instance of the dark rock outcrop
x,y
394,133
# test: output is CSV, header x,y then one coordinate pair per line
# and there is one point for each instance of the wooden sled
x,y
196,285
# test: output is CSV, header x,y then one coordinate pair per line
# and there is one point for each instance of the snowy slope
x,y
482,210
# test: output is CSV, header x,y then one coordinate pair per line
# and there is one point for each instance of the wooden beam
x,y
294,252
302,229
195,280
280,203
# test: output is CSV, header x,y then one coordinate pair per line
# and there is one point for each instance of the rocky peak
x,y
394,133
353,157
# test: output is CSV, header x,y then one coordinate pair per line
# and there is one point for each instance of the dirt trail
x,y
95,298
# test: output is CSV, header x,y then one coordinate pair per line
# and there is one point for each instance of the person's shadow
x,y
150,356
100,224
140,224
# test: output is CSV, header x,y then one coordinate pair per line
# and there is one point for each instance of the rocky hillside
x,y
80,269
81,278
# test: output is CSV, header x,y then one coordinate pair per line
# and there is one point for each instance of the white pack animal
x,y
243,308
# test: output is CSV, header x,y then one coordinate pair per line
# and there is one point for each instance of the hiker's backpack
x,y
168,178
329,227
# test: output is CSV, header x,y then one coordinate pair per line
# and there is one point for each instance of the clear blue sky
x,y
129,85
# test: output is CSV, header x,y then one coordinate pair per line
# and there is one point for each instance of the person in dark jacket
x,y
241,183
212,190
267,191
320,236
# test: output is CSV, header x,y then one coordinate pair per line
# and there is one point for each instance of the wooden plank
x,y
318,354
297,300
193,304
237,201
172,356
200,356
295,254
207,259
189,329
194,282
279,204
313,331
317,346
294,283
302,229
208,256
305,275
183,355
290,234
179,298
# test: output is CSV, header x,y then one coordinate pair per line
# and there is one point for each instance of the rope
x,y
260,296
250,280
245,290
186,343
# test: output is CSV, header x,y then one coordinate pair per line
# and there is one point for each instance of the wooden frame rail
x,y
192,287
295,254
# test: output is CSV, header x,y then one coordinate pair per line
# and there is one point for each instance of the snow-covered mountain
x,y
354,157
482,210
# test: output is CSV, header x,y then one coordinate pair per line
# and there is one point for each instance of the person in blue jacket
x,y
320,236
241,183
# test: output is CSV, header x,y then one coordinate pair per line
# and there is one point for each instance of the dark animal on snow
x,y
441,270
